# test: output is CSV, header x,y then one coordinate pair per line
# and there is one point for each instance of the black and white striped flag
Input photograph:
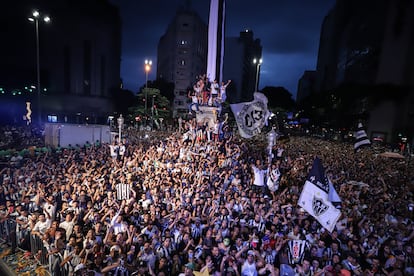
x,y
216,35
361,138
123,191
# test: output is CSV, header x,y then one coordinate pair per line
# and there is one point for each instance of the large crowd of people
x,y
185,203
206,92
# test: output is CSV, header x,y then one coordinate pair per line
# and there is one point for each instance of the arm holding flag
x,y
319,197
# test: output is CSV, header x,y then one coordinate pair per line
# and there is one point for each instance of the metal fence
x,y
22,239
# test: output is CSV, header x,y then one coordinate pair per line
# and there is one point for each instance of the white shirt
x,y
259,176
50,209
214,88
42,226
121,150
248,269
68,226
113,150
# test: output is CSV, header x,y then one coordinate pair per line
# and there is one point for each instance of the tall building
x,y
182,54
351,40
370,43
306,85
239,66
79,54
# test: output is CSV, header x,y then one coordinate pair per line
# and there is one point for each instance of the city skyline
x,y
289,33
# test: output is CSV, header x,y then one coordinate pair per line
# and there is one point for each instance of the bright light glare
x,y
255,61
35,13
148,64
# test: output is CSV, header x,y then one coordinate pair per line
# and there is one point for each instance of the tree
x,y
166,88
160,109
279,97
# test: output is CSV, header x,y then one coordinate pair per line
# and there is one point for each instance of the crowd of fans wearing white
x,y
192,207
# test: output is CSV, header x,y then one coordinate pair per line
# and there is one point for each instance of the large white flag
x,y
315,197
251,116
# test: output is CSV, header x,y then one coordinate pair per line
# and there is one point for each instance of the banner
x,y
216,34
361,138
123,191
296,250
315,197
251,116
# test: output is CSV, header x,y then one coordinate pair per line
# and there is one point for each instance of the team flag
x,y
361,138
123,191
251,116
319,197
216,35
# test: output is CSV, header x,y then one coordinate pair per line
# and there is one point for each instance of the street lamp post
x,y
152,113
120,121
148,64
258,63
36,16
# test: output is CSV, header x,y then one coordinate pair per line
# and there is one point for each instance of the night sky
x,y
289,31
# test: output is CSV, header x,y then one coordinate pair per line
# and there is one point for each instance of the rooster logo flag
x,y
361,138
319,197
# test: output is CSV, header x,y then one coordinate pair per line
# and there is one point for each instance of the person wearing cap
x,y
188,270
249,266
80,269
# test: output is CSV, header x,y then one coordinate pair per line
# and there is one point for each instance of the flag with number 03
x,y
252,116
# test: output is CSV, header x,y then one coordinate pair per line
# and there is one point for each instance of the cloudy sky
x,y
289,31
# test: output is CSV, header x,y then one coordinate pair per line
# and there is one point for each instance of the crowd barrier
x,y
16,240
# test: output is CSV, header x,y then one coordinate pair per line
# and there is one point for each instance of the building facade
x,y
368,43
182,54
79,54
306,85
239,55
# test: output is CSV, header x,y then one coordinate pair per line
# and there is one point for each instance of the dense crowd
x,y
187,204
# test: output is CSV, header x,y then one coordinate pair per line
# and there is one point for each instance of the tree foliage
x,y
278,97
160,109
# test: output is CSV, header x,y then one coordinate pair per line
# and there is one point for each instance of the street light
x,y
148,64
120,121
36,16
259,63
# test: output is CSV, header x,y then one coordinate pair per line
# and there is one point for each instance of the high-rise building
x,y
79,54
351,41
369,43
239,55
306,85
182,54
